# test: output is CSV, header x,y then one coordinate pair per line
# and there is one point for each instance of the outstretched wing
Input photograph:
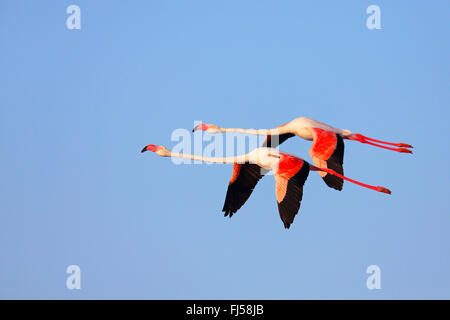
x,y
243,181
327,151
289,181
246,176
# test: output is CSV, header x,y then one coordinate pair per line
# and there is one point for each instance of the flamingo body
x,y
302,127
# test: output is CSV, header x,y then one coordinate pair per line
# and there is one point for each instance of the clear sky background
x,y
77,106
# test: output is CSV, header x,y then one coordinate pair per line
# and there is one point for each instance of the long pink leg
x,y
377,188
364,139
403,145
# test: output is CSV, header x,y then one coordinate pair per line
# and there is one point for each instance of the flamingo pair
x,y
290,172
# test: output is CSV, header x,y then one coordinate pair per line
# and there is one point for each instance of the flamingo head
x,y
210,128
159,150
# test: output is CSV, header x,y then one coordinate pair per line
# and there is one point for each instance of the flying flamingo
x,y
290,175
327,150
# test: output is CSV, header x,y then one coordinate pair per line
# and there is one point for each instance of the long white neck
x,y
237,159
263,132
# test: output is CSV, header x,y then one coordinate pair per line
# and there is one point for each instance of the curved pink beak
x,y
201,126
150,147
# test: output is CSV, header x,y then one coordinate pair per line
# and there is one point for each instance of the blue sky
x,y
77,106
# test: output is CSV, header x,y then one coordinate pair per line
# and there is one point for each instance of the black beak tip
x,y
145,149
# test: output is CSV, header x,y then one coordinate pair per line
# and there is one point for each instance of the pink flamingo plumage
x,y
327,150
290,174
